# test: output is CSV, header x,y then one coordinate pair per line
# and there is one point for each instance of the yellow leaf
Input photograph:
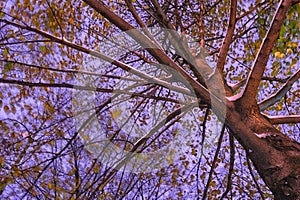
x,y
213,184
71,21
96,169
289,51
294,44
116,113
106,25
2,160
170,159
43,184
293,65
50,186
49,108
26,2
277,54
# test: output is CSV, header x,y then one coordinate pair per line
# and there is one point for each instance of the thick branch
x,y
228,37
153,49
200,68
260,62
204,73
284,119
280,93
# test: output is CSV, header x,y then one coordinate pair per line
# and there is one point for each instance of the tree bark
x,y
275,156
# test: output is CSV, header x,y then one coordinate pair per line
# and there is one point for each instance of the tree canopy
x,y
149,99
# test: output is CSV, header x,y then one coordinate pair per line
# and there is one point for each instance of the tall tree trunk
x,y
275,155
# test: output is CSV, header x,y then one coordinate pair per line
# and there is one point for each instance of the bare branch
x,y
167,122
201,24
228,38
24,42
283,119
258,5
140,21
214,162
85,88
231,167
281,80
235,87
163,18
111,60
153,49
203,72
280,93
71,71
260,62
199,66
55,17
250,167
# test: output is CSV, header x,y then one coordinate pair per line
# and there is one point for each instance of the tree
x,y
178,66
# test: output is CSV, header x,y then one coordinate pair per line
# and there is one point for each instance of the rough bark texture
x,y
275,155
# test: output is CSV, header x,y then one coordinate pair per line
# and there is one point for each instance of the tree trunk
x,y
275,156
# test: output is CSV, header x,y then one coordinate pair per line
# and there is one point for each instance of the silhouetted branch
x,y
85,88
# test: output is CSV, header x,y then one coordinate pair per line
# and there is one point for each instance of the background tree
x,y
162,82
